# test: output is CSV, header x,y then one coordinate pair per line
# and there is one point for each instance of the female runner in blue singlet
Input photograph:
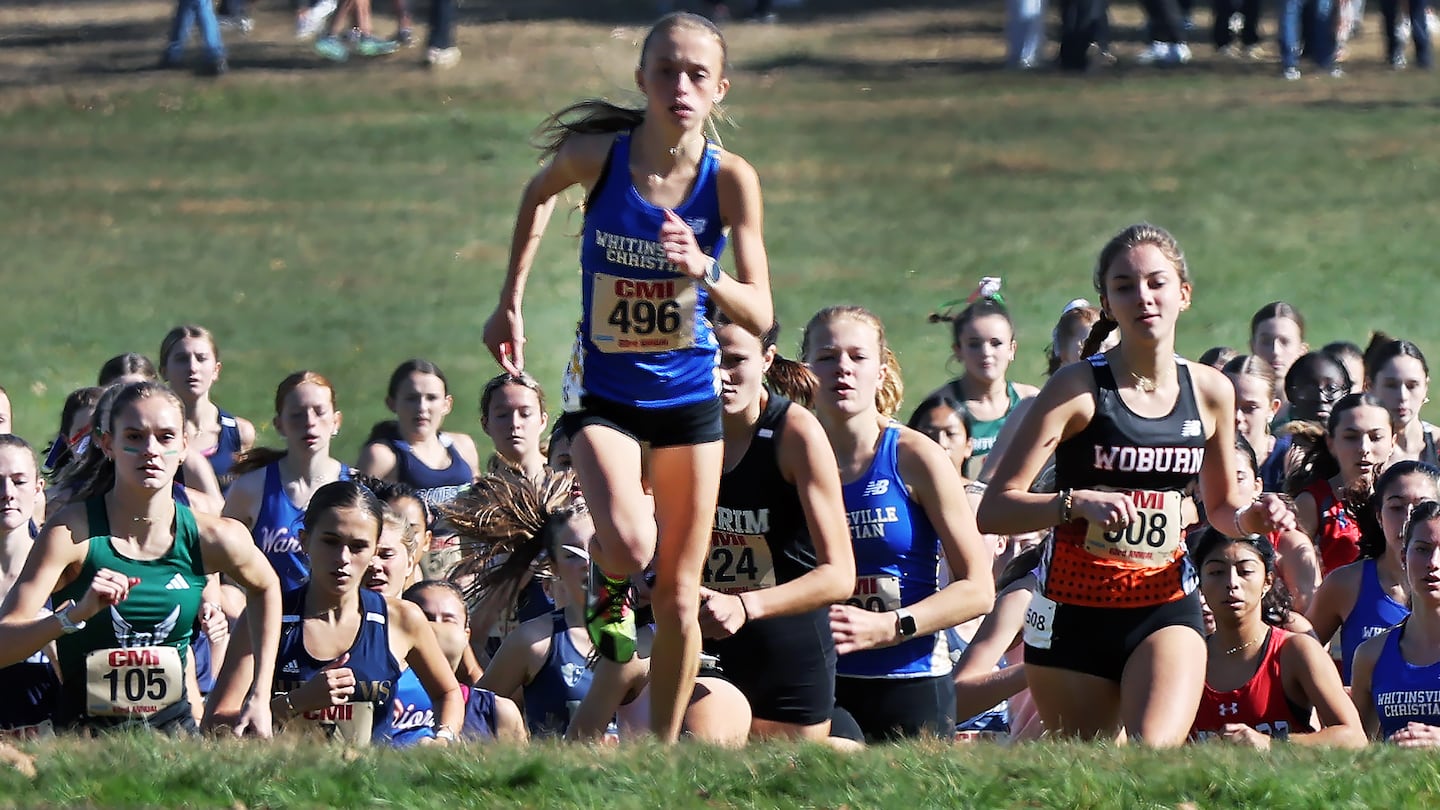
x,y
512,414
338,658
391,573
1365,598
641,384
542,664
31,687
190,363
1397,673
908,514
488,716
414,450
273,487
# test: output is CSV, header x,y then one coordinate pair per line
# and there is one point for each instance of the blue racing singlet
x,y
432,485
897,561
1402,692
32,692
376,670
277,529
414,714
644,339
1374,613
227,446
559,686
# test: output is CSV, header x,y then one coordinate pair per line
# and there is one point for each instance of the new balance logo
x,y
878,487
177,583
1227,709
1190,428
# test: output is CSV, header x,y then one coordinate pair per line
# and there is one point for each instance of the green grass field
x,y
137,772
343,219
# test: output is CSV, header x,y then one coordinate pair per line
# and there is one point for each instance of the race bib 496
x,y
632,316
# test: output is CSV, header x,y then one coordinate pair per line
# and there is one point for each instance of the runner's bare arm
x,y
53,562
577,163
746,297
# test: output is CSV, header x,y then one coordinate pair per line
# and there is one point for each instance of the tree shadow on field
x,y
15,5
1368,106
974,27
871,70
639,12
52,36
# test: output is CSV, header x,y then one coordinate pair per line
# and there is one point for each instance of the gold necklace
x,y
1251,643
1145,384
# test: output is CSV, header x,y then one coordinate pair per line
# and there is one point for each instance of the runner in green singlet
x,y
127,564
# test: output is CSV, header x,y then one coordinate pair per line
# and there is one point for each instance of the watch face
x,y
907,625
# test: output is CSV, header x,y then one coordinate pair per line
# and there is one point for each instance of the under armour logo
x,y
877,487
1190,428
1227,709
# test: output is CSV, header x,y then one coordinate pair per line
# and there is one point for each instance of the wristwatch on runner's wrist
x,y
905,623
68,625
712,273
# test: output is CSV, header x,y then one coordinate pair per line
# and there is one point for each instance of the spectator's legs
x,y
1221,10
442,25
1250,10
1291,12
1420,33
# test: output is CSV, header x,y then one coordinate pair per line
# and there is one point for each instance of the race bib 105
x,y
133,682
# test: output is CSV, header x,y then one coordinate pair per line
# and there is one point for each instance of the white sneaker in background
x,y
441,58
1179,53
1157,53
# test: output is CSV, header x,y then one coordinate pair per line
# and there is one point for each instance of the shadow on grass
x,y
1363,107
870,70
51,36
639,12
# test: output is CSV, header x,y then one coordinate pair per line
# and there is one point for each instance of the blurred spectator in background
x,y
199,15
